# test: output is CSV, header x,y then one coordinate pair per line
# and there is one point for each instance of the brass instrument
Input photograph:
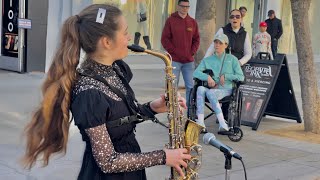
x,y
183,133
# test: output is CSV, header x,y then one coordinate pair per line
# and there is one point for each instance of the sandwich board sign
x,y
267,91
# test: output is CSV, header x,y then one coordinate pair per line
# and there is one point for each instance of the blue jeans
x,y
187,73
213,95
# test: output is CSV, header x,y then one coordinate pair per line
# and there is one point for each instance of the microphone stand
x,y
227,165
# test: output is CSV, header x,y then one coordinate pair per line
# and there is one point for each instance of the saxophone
x,y
183,133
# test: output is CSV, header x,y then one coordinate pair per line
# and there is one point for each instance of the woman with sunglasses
x,y
239,42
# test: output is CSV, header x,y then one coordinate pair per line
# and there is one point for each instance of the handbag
x,y
143,17
205,83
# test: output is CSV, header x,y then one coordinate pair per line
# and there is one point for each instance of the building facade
x,y
31,49
257,12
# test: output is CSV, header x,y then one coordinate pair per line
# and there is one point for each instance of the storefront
x,y
32,49
12,38
157,13
257,12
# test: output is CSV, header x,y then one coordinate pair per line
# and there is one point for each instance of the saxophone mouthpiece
x,y
136,48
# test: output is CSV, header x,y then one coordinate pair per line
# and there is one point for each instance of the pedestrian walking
x,y
275,30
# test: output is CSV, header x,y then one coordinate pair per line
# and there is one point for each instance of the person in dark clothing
x,y
239,42
275,30
100,99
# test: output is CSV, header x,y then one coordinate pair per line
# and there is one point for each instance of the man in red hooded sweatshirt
x,y
180,37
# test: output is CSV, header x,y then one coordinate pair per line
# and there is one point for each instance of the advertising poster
x,y
256,90
10,14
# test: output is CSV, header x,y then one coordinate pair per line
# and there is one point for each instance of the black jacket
x,y
274,27
236,40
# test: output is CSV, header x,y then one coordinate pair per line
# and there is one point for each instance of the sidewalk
x,y
266,157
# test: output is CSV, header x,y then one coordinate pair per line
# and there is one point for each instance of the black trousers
x,y
274,47
224,108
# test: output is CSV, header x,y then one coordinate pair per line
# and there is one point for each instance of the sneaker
x,y
221,128
200,123
204,130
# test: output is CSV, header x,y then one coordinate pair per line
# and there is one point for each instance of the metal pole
x,y
227,166
21,34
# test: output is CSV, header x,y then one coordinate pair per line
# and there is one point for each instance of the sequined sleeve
x,y
111,161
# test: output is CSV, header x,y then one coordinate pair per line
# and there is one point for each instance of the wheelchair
x,y
233,103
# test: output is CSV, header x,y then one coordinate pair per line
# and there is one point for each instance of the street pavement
x,y
265,157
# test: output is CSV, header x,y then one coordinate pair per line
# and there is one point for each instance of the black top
x,y
110,153
274,28
236,41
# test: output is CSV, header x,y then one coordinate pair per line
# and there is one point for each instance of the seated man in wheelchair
x,y
225,69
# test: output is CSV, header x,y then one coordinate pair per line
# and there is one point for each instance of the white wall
x,y
274,5
193,7
58,11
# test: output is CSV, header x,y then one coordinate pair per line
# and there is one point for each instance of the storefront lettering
x,y
10,16
259,71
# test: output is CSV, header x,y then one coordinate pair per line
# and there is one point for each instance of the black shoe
x,y
136,38
147,42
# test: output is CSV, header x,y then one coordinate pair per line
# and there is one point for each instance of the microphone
x,y
209,138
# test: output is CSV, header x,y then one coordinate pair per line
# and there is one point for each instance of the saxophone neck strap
x,y
135,118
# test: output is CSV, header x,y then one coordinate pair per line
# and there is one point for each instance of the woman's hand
x,y
222,80
176,158
159,105
211,82
182,101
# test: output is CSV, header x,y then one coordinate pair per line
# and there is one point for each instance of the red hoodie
x,y
180,37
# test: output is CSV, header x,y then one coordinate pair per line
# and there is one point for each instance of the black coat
x,y
274,28
236,40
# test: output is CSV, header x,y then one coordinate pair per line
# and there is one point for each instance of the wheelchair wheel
x,y
192,105
237,134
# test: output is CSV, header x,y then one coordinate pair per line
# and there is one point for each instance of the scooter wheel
x,y
237,135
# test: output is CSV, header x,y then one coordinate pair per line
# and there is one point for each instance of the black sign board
x,y
267,91
10,15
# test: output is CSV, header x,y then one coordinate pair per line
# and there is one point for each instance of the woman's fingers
x,y
183,163
184,150
182,102
179,170
186,156
177,158
163,97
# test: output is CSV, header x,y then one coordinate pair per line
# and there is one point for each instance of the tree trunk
x,y
308,79
206,18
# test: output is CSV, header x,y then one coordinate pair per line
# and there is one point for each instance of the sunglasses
x,y
234,16
182,6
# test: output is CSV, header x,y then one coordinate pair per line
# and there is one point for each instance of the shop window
x,y
157,12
